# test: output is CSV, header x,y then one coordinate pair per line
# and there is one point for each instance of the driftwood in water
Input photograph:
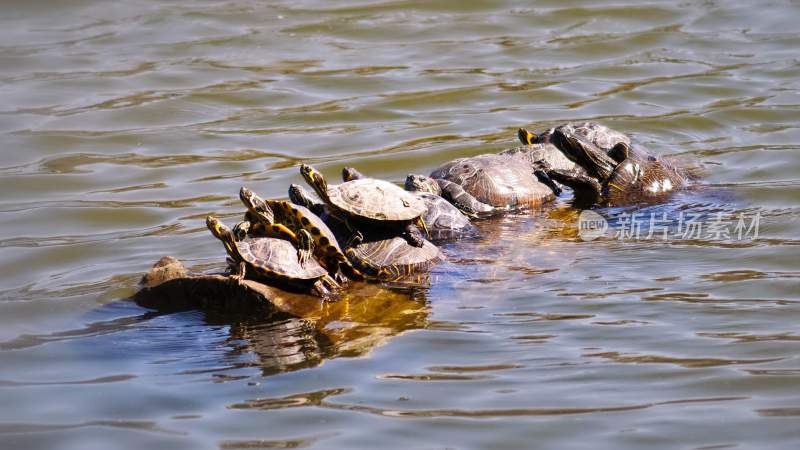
x,y
169,286
365,315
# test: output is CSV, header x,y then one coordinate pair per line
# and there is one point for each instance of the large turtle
x,y
444,221
271,259
371,203
298,218
612,176
378,253
513,179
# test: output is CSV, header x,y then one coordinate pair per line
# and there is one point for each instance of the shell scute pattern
x,y
376,199
640,177
394,258
277,258
497,180
443,219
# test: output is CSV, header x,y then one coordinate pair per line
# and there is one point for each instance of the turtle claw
x,y
305,250
545,179
320,289
303,256
414,236
355,239
340,278
236,278
587,190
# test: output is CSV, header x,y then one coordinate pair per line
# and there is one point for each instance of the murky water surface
x,y
123,124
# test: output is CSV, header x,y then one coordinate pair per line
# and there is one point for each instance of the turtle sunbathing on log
x,y
443,220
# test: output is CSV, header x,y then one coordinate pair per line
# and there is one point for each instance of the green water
x,y
124,124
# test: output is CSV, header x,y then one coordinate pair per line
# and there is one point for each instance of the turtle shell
x,y
599,135
274,257
393,258
499,180
444,221
641,178
376,200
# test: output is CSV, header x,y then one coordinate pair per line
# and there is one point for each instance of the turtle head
x,y
350,174
526,137
217,228
421,183
221,232
247,196
256,205
598,163
315,180
300,196
241,229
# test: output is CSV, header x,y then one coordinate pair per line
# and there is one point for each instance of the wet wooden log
x,y
170,286
365,315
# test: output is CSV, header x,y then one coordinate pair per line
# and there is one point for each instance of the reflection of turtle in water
x,y
298,218
444,221
272,259
378,253
513,179
371,202
612,176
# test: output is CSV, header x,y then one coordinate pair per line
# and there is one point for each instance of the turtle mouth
x,y
246,196
597,163
306,171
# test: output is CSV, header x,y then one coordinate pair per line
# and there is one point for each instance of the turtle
x,y
444,221
271,259
391,258
613,176
297,218
377,253
371,203
513,179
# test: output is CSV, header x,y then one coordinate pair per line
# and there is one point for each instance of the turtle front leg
x,y
330,283
336,270
414,235
587,191
305,247
463,200
355,239
541,169
320,289
236,278
545,179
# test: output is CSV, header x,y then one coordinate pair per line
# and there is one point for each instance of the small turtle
x,y
379,254
444,221
272,259
298,218
616,176
371,202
